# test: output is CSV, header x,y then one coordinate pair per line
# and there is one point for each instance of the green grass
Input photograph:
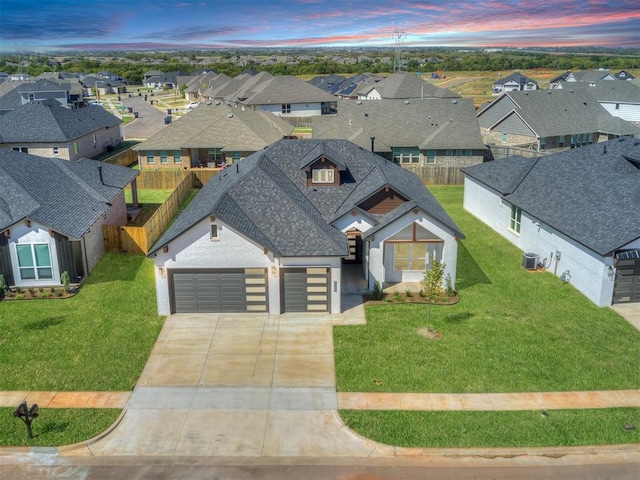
x,y
512,331
55,426
97,340
153,196
496,429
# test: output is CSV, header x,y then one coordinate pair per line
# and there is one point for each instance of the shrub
x,y
3,284
408,293
66,279
448,289
377,291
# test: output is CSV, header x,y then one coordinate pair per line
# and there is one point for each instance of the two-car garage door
x,y
246,290
218,291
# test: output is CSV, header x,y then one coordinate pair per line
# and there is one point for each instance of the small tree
x,y
3,284
432,285
66,279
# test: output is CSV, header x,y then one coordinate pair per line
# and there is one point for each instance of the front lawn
x,y
512,331
55,426
497,429
97,340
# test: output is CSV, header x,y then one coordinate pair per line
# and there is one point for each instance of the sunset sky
x,y
157,24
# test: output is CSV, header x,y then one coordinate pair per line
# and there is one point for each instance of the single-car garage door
x,y
627,285
218,291
305,289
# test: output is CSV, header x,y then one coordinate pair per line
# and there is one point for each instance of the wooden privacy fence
x,y
139,240
167,179
437,174
124,158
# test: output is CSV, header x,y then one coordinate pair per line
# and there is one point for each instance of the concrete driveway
x,y
237,385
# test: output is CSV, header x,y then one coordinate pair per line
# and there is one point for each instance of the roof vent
x,y
358,102
454,101
406,102
209,102
229,115
217,102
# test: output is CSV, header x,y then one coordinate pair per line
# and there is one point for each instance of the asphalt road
x,y
150,118
201,468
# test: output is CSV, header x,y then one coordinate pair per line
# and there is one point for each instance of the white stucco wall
x,y
195,249
588,271
381,264
297,109
36,233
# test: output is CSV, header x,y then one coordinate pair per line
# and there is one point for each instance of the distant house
x,y
211,135
97,85
282,95
160,80
275,233
417,134
574,211
27,92
587,76
403,86
48,129
51,216
513,83
549,120
342,87
624,75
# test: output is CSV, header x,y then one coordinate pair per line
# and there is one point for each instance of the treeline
x,y
344,63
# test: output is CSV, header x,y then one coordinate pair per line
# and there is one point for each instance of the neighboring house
x,y
624,75
514,83
577,210
28,92
282,95
273,233
588,76
159,80
96,85
211,135
48,129
403,86
345,88
620,99
51,216
550,120
329,83
414,133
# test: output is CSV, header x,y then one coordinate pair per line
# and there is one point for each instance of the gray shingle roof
x,y
560,112
48,121
266,198
281,89
407,85
217,125
425,123
68,197
515,77
591,194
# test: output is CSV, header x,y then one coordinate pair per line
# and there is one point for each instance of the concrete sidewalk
x,y
66,399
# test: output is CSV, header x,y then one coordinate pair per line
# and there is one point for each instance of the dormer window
x,y
323,175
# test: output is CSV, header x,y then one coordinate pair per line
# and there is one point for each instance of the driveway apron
x,y
245,385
